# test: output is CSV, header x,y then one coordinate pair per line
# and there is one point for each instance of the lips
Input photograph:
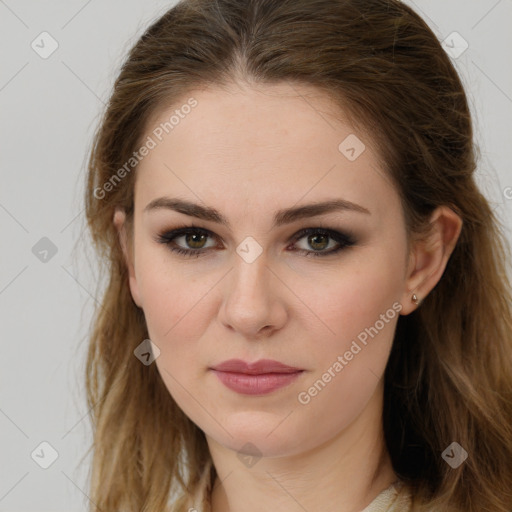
x,y
256,368
257,378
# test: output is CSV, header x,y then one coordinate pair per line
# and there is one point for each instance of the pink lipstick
x,y
258,378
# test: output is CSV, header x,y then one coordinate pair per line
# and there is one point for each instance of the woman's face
x,y
254,286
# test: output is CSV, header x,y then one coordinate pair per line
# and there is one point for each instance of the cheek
x,y
176,316
171,292
361,311
177,310
352,297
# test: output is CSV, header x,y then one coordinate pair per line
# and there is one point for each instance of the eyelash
x,y
344,240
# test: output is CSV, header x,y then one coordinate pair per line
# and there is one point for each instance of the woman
x,y
307,304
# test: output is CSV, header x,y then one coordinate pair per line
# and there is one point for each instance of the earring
x,y
415,299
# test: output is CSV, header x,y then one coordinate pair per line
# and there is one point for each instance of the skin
x,y
248,151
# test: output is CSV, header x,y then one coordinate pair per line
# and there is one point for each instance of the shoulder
x,y
396,498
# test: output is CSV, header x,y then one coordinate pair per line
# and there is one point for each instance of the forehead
x,y
261,146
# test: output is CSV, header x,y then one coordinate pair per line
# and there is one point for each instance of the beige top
x,y
395,498
391,500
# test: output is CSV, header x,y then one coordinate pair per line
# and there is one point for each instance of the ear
x,y
127,248
429,256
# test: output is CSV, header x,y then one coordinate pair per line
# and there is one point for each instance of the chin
x,y
264,434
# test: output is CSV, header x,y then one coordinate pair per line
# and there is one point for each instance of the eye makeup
x,y
314,235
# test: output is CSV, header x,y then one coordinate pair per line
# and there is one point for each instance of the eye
x,y
318,240
194,240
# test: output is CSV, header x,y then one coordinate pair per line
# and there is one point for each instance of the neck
x,y
344,474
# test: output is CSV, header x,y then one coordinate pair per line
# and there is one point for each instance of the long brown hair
x,y
449,376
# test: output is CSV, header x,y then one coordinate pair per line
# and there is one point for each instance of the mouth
x,y
258,378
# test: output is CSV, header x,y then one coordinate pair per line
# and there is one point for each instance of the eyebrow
x,y
285,216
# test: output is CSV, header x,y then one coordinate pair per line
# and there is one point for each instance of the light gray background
x,y
49,110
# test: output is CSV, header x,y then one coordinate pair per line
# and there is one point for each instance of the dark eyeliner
x,y
168,237
344,240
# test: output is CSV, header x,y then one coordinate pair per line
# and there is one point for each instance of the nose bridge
x,y
251,301
250,275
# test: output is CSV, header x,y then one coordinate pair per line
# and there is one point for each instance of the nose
x,y
253,303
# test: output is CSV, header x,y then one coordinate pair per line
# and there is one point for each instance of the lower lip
x,y
255,384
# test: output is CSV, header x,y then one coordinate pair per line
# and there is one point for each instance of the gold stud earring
x,y
415,299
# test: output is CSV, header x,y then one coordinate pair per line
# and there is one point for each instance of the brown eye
x,y
318,241
192,242
195,240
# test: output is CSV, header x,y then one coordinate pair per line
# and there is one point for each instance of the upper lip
x,y
256,368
